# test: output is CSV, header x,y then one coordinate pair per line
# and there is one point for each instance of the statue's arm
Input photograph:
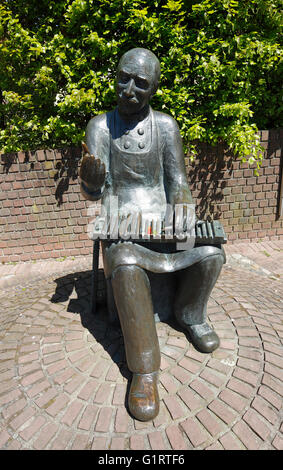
x,y
174,164
95,162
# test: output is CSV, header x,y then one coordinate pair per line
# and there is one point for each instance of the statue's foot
x,y
143,397
203,337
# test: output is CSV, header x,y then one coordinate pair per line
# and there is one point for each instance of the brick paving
x,y
64,379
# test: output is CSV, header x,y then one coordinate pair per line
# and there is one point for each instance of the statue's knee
x,y
212,262
217,259
130,274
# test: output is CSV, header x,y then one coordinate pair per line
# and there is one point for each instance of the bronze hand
x,y
92,170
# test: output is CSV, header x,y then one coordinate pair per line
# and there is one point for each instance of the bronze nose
x,y
129,89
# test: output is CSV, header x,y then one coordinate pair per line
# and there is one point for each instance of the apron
x,y
136,177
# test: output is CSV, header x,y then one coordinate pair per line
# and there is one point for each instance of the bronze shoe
x,y
143,396
203,337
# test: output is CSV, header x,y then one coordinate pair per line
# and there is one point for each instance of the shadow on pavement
x,y
108,335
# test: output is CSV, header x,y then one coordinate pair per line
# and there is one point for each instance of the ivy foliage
x,y
221,63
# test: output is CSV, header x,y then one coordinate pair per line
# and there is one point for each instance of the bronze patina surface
x,y
135,154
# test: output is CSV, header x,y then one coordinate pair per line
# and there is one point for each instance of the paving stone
x,y
163,363
210,422
197,356
64,377
174,407
168,382
272,370
175,438
81,442
13,445
190,365
4,438
72,412
240,387
11,396
257,424
25,369
181,374
100,368
32,378
58,366
22,418
62,440
104,420
37,388
190,398
88,390
273,383
264,408
196,434
99,443
121,421
230,442
180,343
58,404
46,434
247,436
88,417
232,399
137,442
222,411
246,376
104,393
271,397
278,442
33,428
249,364
202,389
163,416
172,353
273,348
46,397
117,443
113,373
156,440
215,379
11,410
215,446
219,366
119,394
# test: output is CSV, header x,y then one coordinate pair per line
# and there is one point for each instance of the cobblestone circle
x,y
64,380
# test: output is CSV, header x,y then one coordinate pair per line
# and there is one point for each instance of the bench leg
x,y
94,276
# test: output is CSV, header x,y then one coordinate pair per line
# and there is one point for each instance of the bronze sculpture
x,y
136,154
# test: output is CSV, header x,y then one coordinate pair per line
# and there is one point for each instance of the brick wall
x,y
226,189
43,215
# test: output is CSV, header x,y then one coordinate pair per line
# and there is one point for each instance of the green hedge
x,y
220,62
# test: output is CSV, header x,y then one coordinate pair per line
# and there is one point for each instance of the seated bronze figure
x,y
136,155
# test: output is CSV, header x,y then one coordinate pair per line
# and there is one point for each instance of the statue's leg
x,y
132,295
195,284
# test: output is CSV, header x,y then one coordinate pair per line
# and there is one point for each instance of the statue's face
x,y
135,83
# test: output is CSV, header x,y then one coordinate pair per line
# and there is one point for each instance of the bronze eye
x,y
141,83
123,77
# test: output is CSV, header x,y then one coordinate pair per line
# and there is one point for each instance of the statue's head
x,y
137,80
